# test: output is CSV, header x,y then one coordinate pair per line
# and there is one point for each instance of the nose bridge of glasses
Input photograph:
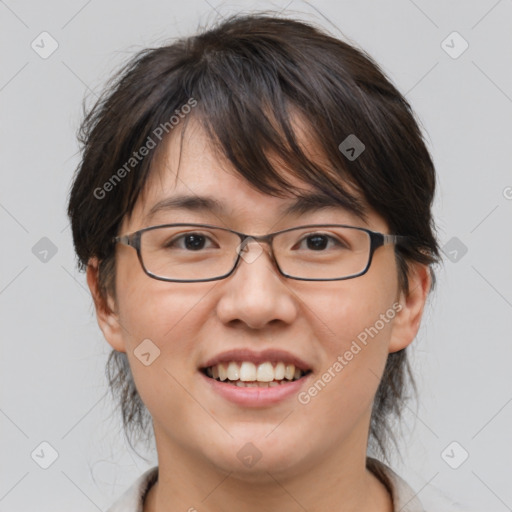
x,y
257,242
247,239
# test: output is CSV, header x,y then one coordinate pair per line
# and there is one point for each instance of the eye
x,y
190,242
320,242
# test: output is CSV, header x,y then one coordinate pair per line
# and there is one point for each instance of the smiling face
x,y
258,316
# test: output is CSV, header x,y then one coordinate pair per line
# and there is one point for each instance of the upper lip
x,y
272,355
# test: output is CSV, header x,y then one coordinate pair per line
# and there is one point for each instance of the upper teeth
x,y
247,371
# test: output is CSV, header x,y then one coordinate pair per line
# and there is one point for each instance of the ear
x,y
407,320
108,319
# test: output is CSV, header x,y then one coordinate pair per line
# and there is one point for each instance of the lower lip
x,y
255,397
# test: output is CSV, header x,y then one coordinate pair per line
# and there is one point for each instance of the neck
x,y
337,481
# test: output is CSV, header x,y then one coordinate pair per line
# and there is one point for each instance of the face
x,y
338,332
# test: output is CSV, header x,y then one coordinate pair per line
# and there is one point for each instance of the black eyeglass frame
x,y
376,240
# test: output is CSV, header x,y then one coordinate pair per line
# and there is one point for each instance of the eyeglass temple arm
x,y
391,239
125,239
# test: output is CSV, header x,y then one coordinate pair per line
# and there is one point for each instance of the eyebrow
x,y
303,204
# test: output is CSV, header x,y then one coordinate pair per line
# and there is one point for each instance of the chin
x,y
252,458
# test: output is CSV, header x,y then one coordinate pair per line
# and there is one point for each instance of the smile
x,y
247,374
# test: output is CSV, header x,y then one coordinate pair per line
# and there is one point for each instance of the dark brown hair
x,y
250,76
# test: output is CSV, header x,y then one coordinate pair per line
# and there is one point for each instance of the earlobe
x,y
106,315
407,321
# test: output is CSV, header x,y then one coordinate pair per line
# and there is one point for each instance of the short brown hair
x,y
248,75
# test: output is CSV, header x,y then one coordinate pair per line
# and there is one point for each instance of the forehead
x,y
190,176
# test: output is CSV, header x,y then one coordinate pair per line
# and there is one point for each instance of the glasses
x,y
200,252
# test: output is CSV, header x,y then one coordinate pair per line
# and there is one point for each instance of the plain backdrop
x,y
456,440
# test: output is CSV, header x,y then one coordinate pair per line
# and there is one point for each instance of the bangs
x,y
264,134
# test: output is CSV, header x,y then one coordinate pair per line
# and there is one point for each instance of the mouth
x,y
255,379
247,374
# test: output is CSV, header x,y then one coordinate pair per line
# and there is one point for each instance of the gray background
x,y
52,360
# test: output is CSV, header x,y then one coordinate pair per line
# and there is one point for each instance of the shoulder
x,y
404,497
133,498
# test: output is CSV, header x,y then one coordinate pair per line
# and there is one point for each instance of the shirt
x,y
404,498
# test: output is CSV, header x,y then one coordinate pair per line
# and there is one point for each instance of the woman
x,y
253,211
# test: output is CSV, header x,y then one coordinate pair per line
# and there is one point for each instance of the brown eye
x,y
189,242
320,242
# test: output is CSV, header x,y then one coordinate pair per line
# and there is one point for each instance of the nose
x,y
256,294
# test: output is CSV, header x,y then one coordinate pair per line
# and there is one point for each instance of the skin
x,y
313,456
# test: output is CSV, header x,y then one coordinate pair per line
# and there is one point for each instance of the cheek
x,y
155,309
342,393
162,316
353,321
161,319
347,310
